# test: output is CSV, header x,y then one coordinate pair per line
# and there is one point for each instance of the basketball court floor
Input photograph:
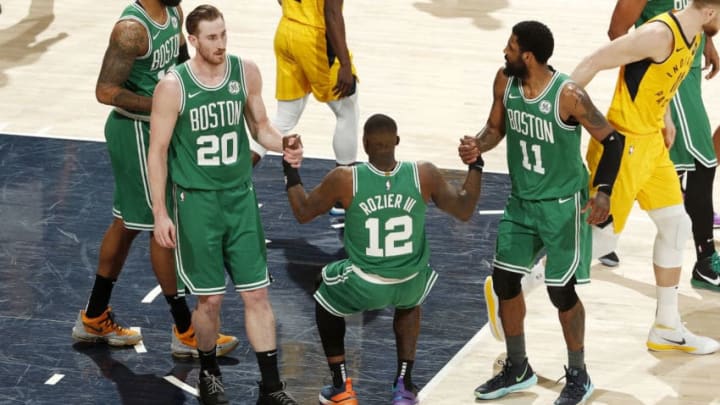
x,y
427,63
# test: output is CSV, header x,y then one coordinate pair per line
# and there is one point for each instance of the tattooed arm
x,y
576,106
128,40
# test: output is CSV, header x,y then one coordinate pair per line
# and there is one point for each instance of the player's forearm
x,y
584,72
335,28
488,138
298,202
469,195
157,176
120,97
268,136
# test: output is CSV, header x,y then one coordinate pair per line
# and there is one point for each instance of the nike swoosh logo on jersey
x,y
522,376
677,342
564,200
714,281
157,34
191,95
511,96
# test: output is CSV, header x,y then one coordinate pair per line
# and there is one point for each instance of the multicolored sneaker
x,y
578,387
510,379
402,395
104,329
706,273
331,395
665,338
185,345
211,389
277,397
492,304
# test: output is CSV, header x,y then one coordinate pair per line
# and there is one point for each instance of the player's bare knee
x,y
257,297
563,298
674,228
506,284
210,304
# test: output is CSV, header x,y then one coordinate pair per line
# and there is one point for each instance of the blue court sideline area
x,y
55,204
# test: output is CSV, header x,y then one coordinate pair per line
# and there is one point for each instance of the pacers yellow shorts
x,y
303,65
646,174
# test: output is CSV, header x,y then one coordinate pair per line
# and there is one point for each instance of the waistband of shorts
x,y
135,116
376,279
246,185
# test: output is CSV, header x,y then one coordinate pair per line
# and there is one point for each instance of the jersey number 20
x,y
213,149
397,239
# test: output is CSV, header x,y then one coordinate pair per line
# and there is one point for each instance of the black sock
x,y
268,363
180,312
576,359
99,297
516,349
339,373
208,361
404,370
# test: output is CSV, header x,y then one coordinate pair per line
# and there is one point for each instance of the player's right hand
x,y
468,150
345,82
164,232
599,207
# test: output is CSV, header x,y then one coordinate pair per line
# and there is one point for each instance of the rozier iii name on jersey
x,y
379,202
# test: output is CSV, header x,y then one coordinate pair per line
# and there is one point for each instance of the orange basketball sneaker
x,y
104,329
185,344
344,395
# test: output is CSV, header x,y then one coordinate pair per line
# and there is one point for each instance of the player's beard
x,y
170,3
518,69
210,57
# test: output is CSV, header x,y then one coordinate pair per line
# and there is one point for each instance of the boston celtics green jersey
x,y
543,152
163,49
655,7
209,148
385,223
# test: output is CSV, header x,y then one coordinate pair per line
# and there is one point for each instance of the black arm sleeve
x,y
607,170
183,54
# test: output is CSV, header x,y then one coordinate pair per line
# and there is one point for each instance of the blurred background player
x,y
312,57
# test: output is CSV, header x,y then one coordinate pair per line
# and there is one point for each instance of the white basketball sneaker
x,y
665,338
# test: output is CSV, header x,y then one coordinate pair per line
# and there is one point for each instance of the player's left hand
x,y
599,207
712,60
293,150
669,132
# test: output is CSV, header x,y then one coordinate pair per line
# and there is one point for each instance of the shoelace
x,y
572,389
282,398
110,322
215,386
500,377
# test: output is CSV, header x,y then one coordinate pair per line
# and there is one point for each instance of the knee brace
x,y
565,297
673,230
604,240
288,114
345,138
506,284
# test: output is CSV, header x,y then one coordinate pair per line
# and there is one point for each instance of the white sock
x,y
667,313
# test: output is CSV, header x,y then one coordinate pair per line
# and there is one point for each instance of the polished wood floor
x,y
429,64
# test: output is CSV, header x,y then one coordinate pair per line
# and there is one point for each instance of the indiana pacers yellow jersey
x,y
644,88
307,12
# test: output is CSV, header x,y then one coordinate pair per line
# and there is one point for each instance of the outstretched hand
x,y
599,207
468,150
293,150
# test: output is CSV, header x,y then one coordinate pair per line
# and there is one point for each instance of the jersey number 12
x,y
397,241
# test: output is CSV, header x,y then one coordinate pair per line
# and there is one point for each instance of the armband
x,y
478,164
609,165
292,175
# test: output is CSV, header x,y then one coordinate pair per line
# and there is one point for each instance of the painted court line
x,y
140,346
150,297
490,212
460,355
180,384
54,379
